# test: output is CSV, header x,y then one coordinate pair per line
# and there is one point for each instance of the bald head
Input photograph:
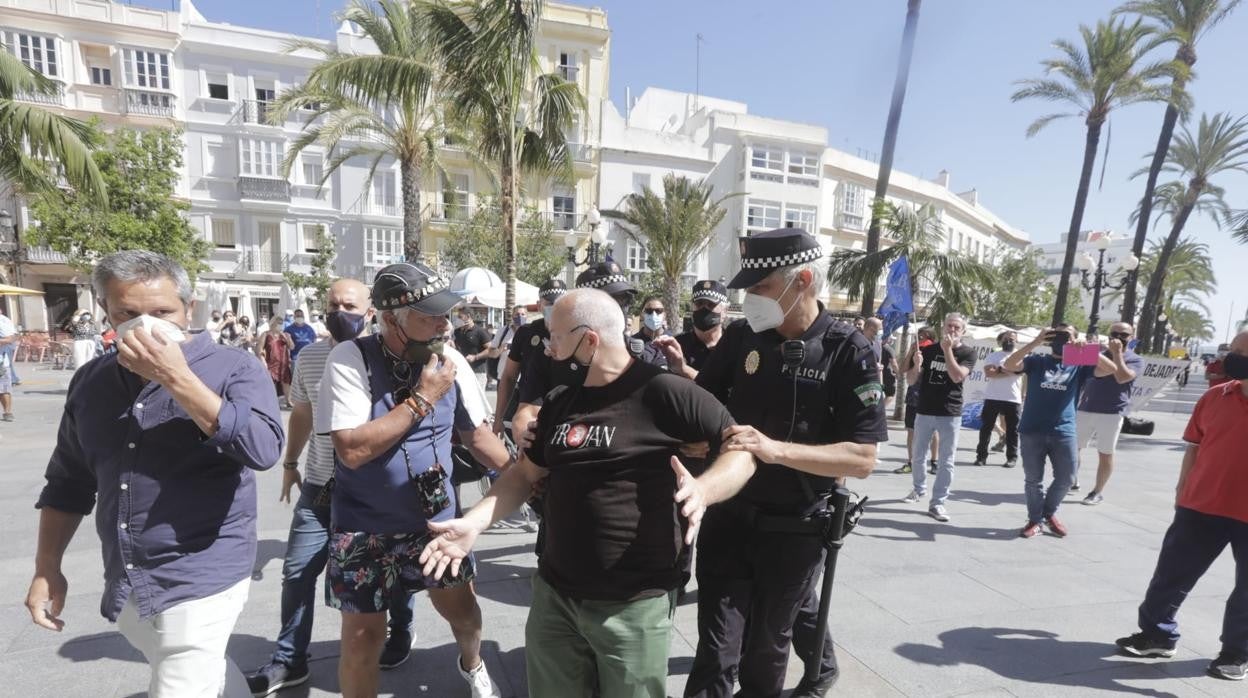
x,y
872,327
348,295
588,307
1239,345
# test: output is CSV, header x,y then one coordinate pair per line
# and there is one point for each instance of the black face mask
x,y
706,319
577,371
418,353
1059,342
344,326
1235,366
1121,337
1008,346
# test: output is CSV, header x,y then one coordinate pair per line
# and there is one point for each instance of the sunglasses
x,y
653,311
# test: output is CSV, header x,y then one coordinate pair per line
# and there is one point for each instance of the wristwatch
x,y
291,465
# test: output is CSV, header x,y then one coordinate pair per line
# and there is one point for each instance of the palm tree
x,y
1183,23
1219,146
372,106
1106,73
36,145
673,228
1189,276
890,138
518,116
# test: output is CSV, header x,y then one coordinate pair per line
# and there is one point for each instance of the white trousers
x,y
185,645
84,351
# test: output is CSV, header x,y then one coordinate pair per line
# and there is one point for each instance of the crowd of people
x,y
632,448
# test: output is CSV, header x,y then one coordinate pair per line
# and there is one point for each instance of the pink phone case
x,y
1087,355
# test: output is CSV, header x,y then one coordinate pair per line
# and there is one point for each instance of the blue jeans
x,y
1059,449
1191,545
947,427
8,351
307,551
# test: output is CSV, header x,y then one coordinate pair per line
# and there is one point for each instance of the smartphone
x,y
1086,355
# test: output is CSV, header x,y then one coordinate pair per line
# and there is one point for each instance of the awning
x,y
7,290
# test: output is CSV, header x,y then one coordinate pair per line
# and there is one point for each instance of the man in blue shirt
x,y
301,333
1047,427
162,438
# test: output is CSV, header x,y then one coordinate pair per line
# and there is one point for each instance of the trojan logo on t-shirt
x,y
571,435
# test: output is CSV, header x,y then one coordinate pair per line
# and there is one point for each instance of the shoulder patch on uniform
x,y
751,362
870,394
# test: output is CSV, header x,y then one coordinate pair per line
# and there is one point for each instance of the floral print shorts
x,y
366,569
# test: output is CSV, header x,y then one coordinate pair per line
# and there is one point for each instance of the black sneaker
x,y
817,688
932,467
1141,645
275,676
1010,463
980,462
1229,666
398,648
1074,487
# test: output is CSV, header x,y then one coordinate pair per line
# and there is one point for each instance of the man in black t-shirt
x,y
939,370
805,391
472,340
687,352
617,503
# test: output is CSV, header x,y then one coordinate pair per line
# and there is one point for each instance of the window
x,y
800,217
638,257
385,196
223,233
641,182
567,66
37,52
218,159
218,85
148,70
763,158
312,233
804,164
563,203
455,196
313,169
853,206
260,157
762,215
101,76
382,246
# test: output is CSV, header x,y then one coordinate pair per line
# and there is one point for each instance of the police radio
x,y
793,352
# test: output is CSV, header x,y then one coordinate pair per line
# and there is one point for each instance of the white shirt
x,y
214,329
346,402
7,328
305,386
1003,389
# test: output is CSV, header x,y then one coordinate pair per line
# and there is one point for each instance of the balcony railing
x,y
56,99
148,103
263,189
256,111
254,262
371,208
563,220
45,255
451,212
580,152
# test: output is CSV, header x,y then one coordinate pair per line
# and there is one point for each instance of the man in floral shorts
x,y
390,402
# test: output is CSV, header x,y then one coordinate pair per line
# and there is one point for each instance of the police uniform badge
x,y
751,362
535,340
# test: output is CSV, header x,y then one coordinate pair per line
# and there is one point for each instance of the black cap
x,y
607,277
552,289
710,290
775,249
412,285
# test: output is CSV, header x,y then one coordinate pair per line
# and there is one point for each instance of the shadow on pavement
x,y
266,550
1038,656
926,529
992,499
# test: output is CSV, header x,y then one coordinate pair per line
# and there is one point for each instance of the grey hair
x,y
129,266
597,311
818,270
956,316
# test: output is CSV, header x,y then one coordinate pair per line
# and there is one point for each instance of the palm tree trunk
x,y
1076,219
899,399
890,142
671,302
409,174
507,202
1146,204
1152,297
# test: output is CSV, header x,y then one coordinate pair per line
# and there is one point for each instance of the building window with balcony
x,y
147,70
313,169
766,163
803,217
36,51
382,246
455,197
761,215
260,157
641,182
853,206
223,233
311,233
804,169
567,66
563,205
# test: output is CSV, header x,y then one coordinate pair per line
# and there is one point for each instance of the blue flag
x,y
898,302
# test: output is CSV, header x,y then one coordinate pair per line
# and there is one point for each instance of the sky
x,y
832,62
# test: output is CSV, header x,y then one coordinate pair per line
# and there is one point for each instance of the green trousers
x,y
609,648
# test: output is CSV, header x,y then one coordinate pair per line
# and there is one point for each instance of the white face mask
x,y
765,313
547,311
152,325
653,321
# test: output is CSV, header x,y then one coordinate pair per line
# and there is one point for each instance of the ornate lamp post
x,y
1095,277
597,241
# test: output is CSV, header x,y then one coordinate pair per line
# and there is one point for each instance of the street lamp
x,y
597,240
1095,277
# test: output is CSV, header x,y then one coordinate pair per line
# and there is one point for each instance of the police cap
x,y
552,289
606,277
766,252
709,290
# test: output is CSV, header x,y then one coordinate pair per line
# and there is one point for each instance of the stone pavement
x,y
920,608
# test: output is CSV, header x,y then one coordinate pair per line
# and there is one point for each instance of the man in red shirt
x,y
1211,512
1214,372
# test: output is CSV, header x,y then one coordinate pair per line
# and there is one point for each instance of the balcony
x,y
580,152
255,112
451,212
377,210
55,99
263,189
254,262
149,103
45,255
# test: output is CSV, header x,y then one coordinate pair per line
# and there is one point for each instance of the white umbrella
x,y
244,305
473,280
496,296
286,300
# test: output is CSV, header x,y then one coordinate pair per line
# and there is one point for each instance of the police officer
x,y
687,352
530,339
805,391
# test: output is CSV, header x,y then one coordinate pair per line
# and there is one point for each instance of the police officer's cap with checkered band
x,y
709,290
552,290
607,277
766,252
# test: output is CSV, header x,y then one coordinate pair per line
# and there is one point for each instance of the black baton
x,y
834,537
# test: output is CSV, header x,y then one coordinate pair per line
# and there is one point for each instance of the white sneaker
x,y
912,498
478,680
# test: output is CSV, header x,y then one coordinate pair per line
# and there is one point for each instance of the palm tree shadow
x,y
926,529
1038,656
